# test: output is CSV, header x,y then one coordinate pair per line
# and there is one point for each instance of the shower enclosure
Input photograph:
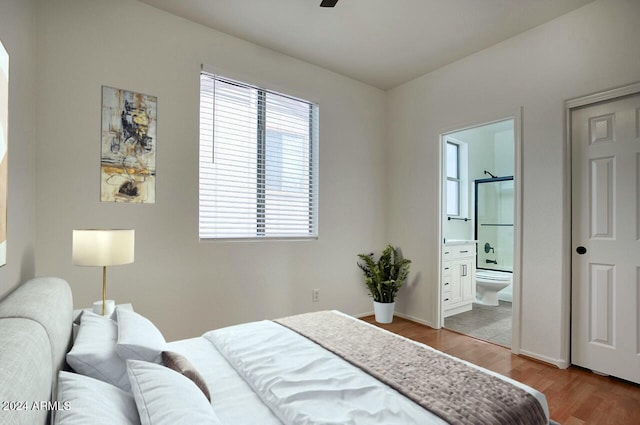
x,y
494,223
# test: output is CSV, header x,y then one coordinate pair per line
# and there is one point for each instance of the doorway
x,y
479,227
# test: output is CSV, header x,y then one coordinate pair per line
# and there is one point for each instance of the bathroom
x,y
478,231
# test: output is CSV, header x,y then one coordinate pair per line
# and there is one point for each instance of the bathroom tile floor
x,y
489,323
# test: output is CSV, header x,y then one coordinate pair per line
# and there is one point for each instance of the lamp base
x,y
110,306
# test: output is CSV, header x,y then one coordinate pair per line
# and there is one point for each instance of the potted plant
x,y
383,279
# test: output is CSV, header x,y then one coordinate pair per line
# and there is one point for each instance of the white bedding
x,y
234,401
263,373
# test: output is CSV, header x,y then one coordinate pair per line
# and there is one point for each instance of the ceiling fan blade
x,y
328,3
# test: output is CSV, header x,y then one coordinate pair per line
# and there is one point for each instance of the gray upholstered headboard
x,y
35,334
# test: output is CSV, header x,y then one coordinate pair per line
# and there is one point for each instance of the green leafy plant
x,y
386,276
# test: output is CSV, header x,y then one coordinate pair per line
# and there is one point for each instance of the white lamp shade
x,y
103,247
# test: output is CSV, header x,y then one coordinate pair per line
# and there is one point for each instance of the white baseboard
x,y
360,316
395,313
561,364
413,319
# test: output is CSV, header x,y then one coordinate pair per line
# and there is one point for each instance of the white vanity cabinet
x,y
458,278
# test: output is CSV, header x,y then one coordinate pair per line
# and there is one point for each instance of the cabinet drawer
x,y
446,269
446,298
462,251
446,284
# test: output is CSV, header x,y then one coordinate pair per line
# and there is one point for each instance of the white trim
x,y
361,315
560,363
3,252
603,96
565,289
401,315
516,304
516,115
414,319
566,294
440,204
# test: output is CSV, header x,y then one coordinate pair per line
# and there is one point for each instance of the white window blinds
x,y
258,162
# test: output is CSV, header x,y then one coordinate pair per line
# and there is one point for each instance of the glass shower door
x,y
494,205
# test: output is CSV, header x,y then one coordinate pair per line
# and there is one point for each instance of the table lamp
x,y
103,247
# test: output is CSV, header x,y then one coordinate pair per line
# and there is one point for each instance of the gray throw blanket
x,y
457,392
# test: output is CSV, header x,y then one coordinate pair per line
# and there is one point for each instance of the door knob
x,y
581,250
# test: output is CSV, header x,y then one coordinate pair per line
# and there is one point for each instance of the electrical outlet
x,y
315,295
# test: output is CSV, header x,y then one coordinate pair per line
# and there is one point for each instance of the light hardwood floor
x,y
575,396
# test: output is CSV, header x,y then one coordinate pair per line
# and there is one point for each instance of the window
x,y
258,162
453,179
456,170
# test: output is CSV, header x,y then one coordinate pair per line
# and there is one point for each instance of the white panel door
x,y
606,237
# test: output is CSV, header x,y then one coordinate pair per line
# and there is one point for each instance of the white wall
x,y
504,153
17,32
183,285
481,157
591,49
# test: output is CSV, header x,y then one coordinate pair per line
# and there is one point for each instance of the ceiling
x,y
383,43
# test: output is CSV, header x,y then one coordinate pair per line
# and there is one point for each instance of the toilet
x,y
488,284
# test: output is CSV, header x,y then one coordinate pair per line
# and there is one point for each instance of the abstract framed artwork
x,y
4,117
128,147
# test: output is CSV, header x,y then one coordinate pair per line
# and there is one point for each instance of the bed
x,y
320,368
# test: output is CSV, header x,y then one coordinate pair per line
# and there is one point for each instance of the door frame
x,y
567,294
516,311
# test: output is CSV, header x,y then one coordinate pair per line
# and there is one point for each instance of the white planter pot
x,y
384,311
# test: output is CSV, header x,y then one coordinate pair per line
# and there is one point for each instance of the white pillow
x,y
165,397
138,338
94,351
83,400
